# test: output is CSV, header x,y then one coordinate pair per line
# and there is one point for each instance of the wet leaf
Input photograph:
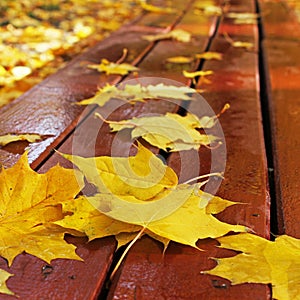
x,y
9,138
156,9
243,18
142,191
143,176
262,261
180,60
28,203
197,73
138,93
238,44
82,216
209,10
113,68
168,132
209,55
4,275
176,34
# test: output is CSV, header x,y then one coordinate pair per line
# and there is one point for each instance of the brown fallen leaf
x,y
262,261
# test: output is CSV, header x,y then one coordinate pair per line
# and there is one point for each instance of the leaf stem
x,y
122,58
113,273
97,115
203,176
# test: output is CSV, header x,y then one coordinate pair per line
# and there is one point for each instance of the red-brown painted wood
x,y
48,109
282,39
62,279
146,273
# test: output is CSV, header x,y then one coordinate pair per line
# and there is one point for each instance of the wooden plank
x,y
91,130
48,109
281,44
146,273
64,279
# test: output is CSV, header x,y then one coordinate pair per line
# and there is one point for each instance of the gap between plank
x,y
276,216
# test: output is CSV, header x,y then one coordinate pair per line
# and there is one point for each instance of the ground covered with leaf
x,y
39,37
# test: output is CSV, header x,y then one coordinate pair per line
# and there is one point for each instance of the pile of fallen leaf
x,y
38,37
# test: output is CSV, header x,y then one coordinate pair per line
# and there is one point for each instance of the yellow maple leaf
x,y
148,198
28,202
262,261
84,217
197,73
113,68
9,138
238,44
143,176
133,93
168,132
156,9
186,224
209,55
4,275
180,59
243,18
179,35
208,9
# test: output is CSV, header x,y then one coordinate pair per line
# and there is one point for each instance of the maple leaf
x,y
187,224
180,59
9,138
156,9
179,35
84,217
4,275
168,132
243,18
209,55
262,261
209,10
143,176
238,44
133,93
28,202
150,199
113,68
197,73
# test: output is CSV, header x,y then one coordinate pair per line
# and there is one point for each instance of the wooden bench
x,y
258,116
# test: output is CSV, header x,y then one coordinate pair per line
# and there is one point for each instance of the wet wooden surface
x,y
281,43
49,109
176,274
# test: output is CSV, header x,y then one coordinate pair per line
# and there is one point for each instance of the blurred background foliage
x,y
38,36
